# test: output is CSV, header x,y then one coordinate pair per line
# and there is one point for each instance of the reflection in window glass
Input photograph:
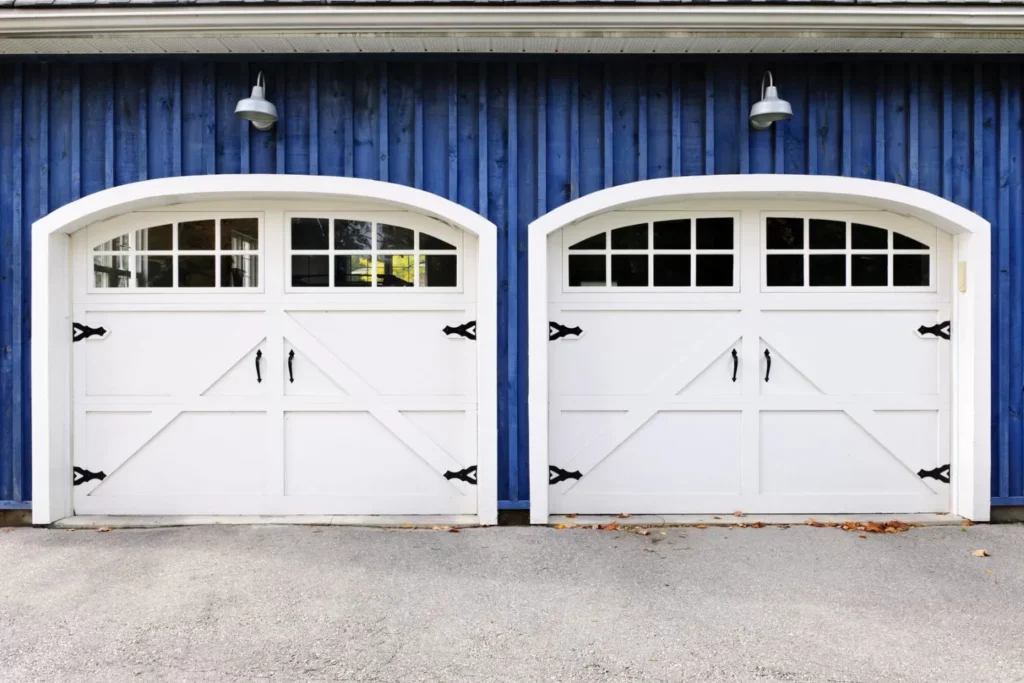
x,y
310,233
587,271
900,241
714,270
396,271
868,237
785,270
629,270
827,270
310,271
630,237
713,233
826,235
394,237
869,270
239,270
672,235
196,235
159,238
119,243
785,233
438,270
352,235
239,234
154,271
593,242
431,242
196,271
111,271
354,270
671,270
910,270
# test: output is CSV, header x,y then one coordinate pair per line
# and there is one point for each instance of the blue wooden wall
x,y
511,140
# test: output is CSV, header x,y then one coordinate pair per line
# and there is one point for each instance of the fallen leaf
x,y
662,533
565,525
440,528
989,571
595,526
874,527
814,522
702,526
610,527
571,515
641,532
850,526
967,522
408,526
863,535
738,513
980,553
831,525
623,515
454,530
104,528
756,525
741,525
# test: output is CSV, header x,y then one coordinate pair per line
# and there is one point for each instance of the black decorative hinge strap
x,y
557,474
557,331
940,330
467,475
82,476
467,330
80,332
940,473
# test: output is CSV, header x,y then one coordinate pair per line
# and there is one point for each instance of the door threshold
x,y
920,519
162,521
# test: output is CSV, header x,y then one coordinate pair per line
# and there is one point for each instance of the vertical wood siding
x,y
512,140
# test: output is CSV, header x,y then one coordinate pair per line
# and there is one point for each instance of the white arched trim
x,y
971,410
51,314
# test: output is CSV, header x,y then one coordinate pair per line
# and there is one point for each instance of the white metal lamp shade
x,y
256,108
771,108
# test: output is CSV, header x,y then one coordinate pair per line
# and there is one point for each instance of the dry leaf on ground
x,y
756,525
814,522
104,528
454,530
641,532
571,515
610,527
440,528
738,513
980,553
967,522
623,515
863,535
565,525
702,526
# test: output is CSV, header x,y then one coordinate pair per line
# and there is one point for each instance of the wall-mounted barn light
x,y
257,109
770,109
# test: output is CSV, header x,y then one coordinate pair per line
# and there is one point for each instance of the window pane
x,y
629,271
352,235
867,237
785,233
587,271
119,243
785,271
196,236
714,270
438,271
630,237
869,270
310,271
158,238
910,270
593,242
310,233
111,271
671,270
714,233
828,271
396,271
826,235
431,242
239,234
353,271
903,242
196,271
394,237
240,270
672,234
154,271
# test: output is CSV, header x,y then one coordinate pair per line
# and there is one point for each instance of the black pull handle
x,y
768,357
259,354
291,356
735,364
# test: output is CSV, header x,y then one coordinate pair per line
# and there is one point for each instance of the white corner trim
x,y
971,458
51,306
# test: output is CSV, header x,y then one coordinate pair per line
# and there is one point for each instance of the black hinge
x,y
82,476
940,473
467,475
940,330
80,332
557,331
467,330
557,474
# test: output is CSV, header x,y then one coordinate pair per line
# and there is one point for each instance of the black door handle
x,y
768,357
259,354
291,356
735,364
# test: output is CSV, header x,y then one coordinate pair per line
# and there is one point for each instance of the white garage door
x,y
769,361
290,360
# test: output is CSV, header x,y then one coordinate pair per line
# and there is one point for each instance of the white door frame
x,y
51,306
971,328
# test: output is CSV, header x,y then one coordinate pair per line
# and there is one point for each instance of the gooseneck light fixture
x,y
771,108
256,108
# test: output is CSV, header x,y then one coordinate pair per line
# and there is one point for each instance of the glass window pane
x,y
630,237
310,271
431,242
593,242
310,233
355,235
196,236
111,271
158,238
394,237
910,270
438,270
240,270
784,233
196,271
154,271
714,233
672,234
396,271
869,270
671,270
828,271
900,241
868,237
714,270
587,271
826,235
785,271
629,270
355,270
119,243
239,234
